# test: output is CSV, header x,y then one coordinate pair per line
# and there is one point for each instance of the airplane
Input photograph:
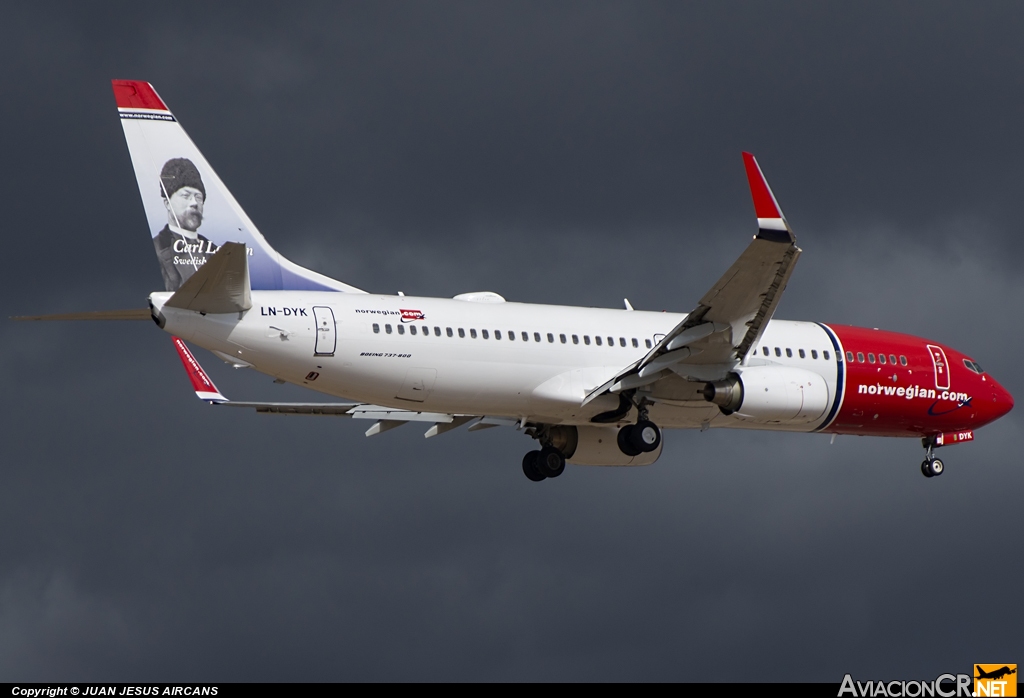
x,y
994,674
591,386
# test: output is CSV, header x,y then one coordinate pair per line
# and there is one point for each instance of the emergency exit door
x,y
326,331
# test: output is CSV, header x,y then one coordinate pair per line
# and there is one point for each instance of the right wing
x,y
730,318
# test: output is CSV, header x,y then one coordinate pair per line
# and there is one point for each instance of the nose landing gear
x,y
932,465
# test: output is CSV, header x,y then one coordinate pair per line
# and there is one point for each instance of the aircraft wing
x,y
730,318
385,418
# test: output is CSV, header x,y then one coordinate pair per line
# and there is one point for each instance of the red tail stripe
x,y
764,203
136,94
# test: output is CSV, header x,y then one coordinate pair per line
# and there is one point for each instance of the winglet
x,y
201,383
771,222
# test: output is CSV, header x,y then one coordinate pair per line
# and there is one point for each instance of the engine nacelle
x,y
592,445
771,395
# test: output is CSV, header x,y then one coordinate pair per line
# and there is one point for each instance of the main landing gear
x,y
932,465
542,464
642,437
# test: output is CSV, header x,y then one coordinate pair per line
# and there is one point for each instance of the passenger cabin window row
x,y
800,352
511,335
880,359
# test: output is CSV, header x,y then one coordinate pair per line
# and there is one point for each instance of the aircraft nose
x,y
1003,401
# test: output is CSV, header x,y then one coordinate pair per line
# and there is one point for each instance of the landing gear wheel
x,y
530,467
645,436
626,443
550,462
932,467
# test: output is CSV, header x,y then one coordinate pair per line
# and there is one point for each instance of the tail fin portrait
x,y
189,210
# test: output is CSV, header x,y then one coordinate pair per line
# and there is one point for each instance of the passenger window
x,y
511,336
825,355
778,352
597,341
551,338
764,350
871,358
881,358
437,331
536,336
376,328
497,334
789,353
462,333
611,341
401,329
903,360
561,338
860,357
636,344
412,329
814,353
849,356
575,339
526,337
485,334
586,339
387,328
448,330
802,355
892,359
648,343
622,341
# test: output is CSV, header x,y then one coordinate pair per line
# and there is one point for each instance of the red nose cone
x,y
1002,398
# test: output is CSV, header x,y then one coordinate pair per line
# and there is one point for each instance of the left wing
x,y
730,318
385,418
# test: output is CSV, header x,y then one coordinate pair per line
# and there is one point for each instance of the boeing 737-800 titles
x,y
591,386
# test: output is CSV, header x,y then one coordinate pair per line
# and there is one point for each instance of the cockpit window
x,y
974,366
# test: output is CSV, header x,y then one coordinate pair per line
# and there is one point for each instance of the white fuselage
x,y
499,359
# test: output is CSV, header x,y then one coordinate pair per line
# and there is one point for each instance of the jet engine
x,y
593,445
771,395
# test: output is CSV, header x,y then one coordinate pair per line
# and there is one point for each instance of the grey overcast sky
x,y
571,152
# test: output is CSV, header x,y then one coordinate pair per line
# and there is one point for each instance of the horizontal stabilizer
x,y
134,314
220,286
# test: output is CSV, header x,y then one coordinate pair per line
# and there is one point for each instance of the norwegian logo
x,y
995,680
412,315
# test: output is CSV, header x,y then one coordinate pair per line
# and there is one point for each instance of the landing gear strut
x,y
932,465
642,437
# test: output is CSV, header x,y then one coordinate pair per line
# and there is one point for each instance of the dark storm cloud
x,y
574,153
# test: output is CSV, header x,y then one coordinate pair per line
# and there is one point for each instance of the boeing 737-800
x,y
591,386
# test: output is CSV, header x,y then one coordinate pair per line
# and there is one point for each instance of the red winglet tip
x,y
201,382
136,94
764,202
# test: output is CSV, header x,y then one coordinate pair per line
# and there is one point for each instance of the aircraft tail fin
x,y
191,213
